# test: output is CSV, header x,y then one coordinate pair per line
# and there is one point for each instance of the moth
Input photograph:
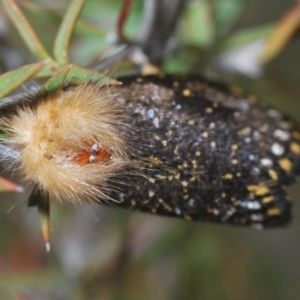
x,y
178,146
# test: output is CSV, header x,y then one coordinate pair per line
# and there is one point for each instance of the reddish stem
x,y
123,16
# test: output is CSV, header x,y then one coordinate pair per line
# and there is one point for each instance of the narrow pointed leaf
x,y
11,80
57,81
75,74
80,74
281,34
62,41
25,29
82,27
198,24
44,213
245,37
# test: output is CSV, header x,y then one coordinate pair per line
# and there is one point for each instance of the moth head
x,y
71,142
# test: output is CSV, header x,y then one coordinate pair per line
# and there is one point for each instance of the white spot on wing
x,y
281,135
266,162
277,149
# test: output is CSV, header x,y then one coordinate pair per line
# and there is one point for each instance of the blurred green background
x,y
105,253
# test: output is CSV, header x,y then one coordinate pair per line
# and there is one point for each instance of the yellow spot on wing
x,y
273,174
205,134
165,205
268,199
152,180
295,148
177,175
151,194
258,190
234,147
245,131
208,110
198,153
285,164
213,144
234,161
184,183
227,176
186,92
274,211
164,143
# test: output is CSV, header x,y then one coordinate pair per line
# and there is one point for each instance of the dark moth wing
x,y
205,151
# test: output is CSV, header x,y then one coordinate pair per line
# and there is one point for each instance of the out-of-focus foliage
x,y
105,253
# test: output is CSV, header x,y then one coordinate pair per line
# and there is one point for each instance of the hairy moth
x,y
168,145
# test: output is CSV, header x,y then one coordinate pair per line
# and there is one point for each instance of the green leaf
x,y
62,41
198,24
11,80
75,74
80,74
38,11
226,13
55,82
246,36
25,30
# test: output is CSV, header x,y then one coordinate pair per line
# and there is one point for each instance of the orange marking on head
x,y
82,158
95,154
102,155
